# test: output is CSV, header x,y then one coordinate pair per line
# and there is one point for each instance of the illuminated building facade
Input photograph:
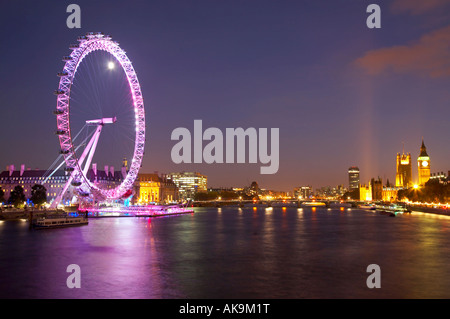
x,y
154,189
27,178
189,183
365,192
423,164
54,182
353,178
107,178
330,191
303,192
403,177
390,194
440,176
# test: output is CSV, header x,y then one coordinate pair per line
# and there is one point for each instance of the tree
x,y
204,196
402,193
2,195
228,195
38,194
17,196
353,194
432,191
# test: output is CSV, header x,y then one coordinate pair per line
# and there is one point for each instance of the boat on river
x,y
392,209
59,222
367,206
313,204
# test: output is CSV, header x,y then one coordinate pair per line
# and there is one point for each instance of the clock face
x,y
424,163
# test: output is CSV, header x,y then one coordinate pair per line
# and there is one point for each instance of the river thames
x,y
232,253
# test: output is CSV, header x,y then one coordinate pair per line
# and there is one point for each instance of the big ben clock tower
x,y
423,164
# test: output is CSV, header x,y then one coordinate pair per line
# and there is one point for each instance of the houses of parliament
x,y
403,177
375,190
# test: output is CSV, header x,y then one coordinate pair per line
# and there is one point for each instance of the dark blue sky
x,y
340,93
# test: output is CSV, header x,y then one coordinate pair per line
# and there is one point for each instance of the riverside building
x,y
55,181
155,189
353,178
189,183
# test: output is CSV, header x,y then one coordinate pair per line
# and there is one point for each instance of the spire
x,y
423,149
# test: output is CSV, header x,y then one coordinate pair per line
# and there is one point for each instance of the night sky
x,y
340,93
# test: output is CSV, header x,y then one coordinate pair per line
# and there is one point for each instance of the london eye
x,y
87,107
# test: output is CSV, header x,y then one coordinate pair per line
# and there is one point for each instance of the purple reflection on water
x,y
231,252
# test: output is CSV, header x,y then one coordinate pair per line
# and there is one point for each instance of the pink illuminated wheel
x,y
74,164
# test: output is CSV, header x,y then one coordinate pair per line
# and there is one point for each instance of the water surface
x,y
232,253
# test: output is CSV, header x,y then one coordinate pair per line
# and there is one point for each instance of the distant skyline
x,y
341,94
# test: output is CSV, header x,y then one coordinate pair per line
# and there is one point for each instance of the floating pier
x,y
137,211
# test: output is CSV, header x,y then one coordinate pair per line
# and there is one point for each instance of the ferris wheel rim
x,y
87,44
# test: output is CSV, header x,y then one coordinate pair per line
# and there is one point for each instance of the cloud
x,y
429,56
416,7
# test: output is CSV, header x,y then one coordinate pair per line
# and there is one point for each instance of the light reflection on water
x,y
231,252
